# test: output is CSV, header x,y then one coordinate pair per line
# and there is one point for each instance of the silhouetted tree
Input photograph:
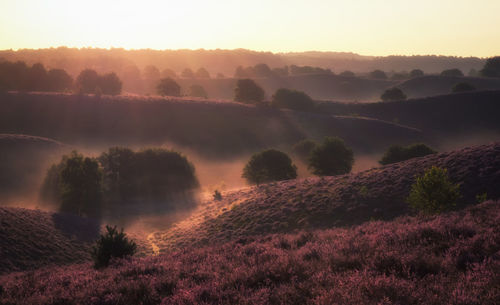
x,y
197,91
303,149
292,99
462,87
452,72
491,67
262,70
347,73
58,80
168,73
393,94
297,70
202,73
187,73
112,244
110,84
416,73
331,157
378,74
247,91
87,81
37,78
168,86
398,153
267,166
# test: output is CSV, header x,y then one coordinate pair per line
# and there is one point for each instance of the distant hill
x,y
447,259
450,117
312,203
23,161
430,85
214,129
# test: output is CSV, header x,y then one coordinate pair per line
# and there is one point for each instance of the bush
x,y
292,99
462,87
267,166
378,74
303,149
433,192
247,91
393,94
332,157
398,153
168,86
452,72
112,244
491,67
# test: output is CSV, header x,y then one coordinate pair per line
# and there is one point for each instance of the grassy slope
x,y
378,193
449,259
31,239
212,128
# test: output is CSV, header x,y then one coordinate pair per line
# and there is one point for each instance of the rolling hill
x,y
313,203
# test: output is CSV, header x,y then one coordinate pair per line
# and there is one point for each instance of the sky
x,y
367,27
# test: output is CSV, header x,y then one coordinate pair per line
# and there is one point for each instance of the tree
x,y
347,73
433,192
398,153
220,76
378,74
110,84
187,73
331,157
393,94
452,72
267,166
202,73
112,244
303,149
247,91
151,73
58,80
197,91
87,81
462,87
292,99
262,70
168,73
168,86
416,73
491,67
78,185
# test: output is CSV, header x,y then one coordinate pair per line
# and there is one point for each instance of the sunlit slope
x,y
212,128
379,193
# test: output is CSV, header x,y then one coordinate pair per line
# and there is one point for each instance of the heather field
x,y
449,259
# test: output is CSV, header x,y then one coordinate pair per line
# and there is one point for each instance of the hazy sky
x,y
369,27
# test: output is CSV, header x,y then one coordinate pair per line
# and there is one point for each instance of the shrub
x,y
247,91
269,165
491,67
393,94
292,99
378,74
303,149
462,87
398,153
452,72
331,157
112,244
168,86
217,195
433,192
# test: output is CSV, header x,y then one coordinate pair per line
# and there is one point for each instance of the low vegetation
x,y
433,192
113,244
398,153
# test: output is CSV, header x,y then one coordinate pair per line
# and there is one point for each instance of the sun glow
x,y
372,27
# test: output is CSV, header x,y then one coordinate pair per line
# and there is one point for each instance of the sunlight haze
x,y
450,27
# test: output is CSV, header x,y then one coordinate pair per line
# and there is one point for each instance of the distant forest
x,y
223,63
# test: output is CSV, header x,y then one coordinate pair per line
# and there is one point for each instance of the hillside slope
x,y
379,193
30,239
453,258
212,128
